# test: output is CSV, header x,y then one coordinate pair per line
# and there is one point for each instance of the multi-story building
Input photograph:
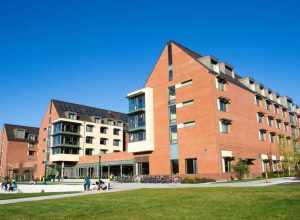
x,y
72,137
197,116
18,151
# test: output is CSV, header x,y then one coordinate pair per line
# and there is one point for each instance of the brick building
x,y
18,151
197,116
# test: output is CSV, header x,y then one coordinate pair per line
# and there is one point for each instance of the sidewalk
x,y
118,187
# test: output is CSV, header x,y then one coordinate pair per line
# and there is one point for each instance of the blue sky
x,y
95,52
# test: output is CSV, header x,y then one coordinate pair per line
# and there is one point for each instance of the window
x,y
172,114
189,124
172,94
227,164
116,142
137,103
89,128
262,135
97,120
31,153
278,124
103,130
272,137
221,84
270,121
257,100
188,102
136,120
191,166
72,116
103,141
268,105
173,134
89,140
224,126
88,151
286,127
20,134
170,74
174,167
223,104
187,83
137,136
116,131
260,117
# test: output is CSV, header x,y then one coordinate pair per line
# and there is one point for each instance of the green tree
x,y
241,168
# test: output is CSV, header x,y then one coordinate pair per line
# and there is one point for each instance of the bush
x,y
241,169
195,179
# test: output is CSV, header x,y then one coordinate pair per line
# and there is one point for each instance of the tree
x,y
290,152
241,168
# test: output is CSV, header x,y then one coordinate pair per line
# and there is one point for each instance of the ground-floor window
x,y
191,166
174,167
226,164
143,168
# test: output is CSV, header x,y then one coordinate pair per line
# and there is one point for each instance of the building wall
x,y
50,115
15,156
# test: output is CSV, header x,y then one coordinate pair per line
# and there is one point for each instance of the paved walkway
x,y
118,187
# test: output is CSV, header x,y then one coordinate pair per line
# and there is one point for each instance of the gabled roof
x,y
196,56
86,112
10,128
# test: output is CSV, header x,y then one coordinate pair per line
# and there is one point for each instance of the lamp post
x,y
46,164
99,168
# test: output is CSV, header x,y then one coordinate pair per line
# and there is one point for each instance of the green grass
x,y
278,202
4,196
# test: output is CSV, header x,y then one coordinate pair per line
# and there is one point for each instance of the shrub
x,y
195,179
241,168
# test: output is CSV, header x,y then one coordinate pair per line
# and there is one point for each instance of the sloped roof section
x,y
11,128
87,112
196,56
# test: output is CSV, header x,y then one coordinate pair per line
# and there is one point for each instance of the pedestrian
x,y
87,183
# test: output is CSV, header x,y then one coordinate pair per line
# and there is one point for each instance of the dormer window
x,y
215,66
20,134
72,116
97,120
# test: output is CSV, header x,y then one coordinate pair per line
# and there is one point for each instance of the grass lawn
x,y
278,202
4,196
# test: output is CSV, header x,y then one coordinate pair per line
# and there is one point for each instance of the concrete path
x,y
118,187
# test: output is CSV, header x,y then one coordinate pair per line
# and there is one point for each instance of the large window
x,y
272,137
137,136
172,94
173,134
172,113
136,121
191,166
136,103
